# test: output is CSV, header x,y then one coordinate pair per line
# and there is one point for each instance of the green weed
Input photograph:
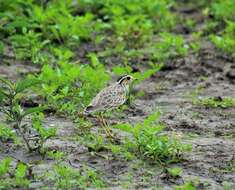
x,y
223,10
169,46
150,142
69,87
29,46
186,186
43,133
174,172
65,177
16,178
10,95
7,133
226,41
216,102
227,186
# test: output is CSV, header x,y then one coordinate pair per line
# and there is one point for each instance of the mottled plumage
x,y
110,97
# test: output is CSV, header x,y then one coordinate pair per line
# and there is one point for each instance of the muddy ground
x,y
211,131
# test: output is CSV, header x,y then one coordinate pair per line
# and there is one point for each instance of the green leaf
x,y
6,132
1,47
20,175
8,83
33,110
175,172
4,166
124,127
94,59
20,171
26,83
3,95
152,118
154,129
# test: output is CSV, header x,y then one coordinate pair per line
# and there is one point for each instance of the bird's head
x,y
125,80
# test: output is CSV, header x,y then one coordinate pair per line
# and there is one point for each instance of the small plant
x,y
226,41
13,179
170,46
29,46
10,95
216,102
132,32
186,186
227,186
94,142
43,133
223,10
66,177
150,142
56,155
139,76
195,45
6,133
174,172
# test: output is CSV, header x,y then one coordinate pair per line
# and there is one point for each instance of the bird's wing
x,y
102,98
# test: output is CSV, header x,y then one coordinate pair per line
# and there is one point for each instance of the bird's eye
x,y
128,78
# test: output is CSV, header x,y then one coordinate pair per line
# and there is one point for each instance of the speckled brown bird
x,y
110,98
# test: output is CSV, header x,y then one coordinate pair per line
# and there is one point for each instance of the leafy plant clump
x,y
226,41
170,46
7,134
68,87
65,177
223,10
222,21
149,141
16,178
10,95
216,102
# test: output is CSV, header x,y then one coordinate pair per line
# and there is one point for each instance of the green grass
x,y
174,172
223,23
66,177
148,141
7,134
216,102
226,41
16,178
186,186
10,106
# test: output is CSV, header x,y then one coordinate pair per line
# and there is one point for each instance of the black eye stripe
x,y
123,78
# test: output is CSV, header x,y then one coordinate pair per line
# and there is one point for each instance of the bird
x,y
110,98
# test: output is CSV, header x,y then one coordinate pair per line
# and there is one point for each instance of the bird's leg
x,y
105,126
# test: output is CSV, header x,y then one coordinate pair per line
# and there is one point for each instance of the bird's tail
x,y
88,110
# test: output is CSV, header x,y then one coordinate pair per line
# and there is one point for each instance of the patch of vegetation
x,y
68,87
186,186
223,21
66,177
170,46
216,102
227,186
223,10
10,95
69,42
13,178
174,172
226,41
7,134
149,141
